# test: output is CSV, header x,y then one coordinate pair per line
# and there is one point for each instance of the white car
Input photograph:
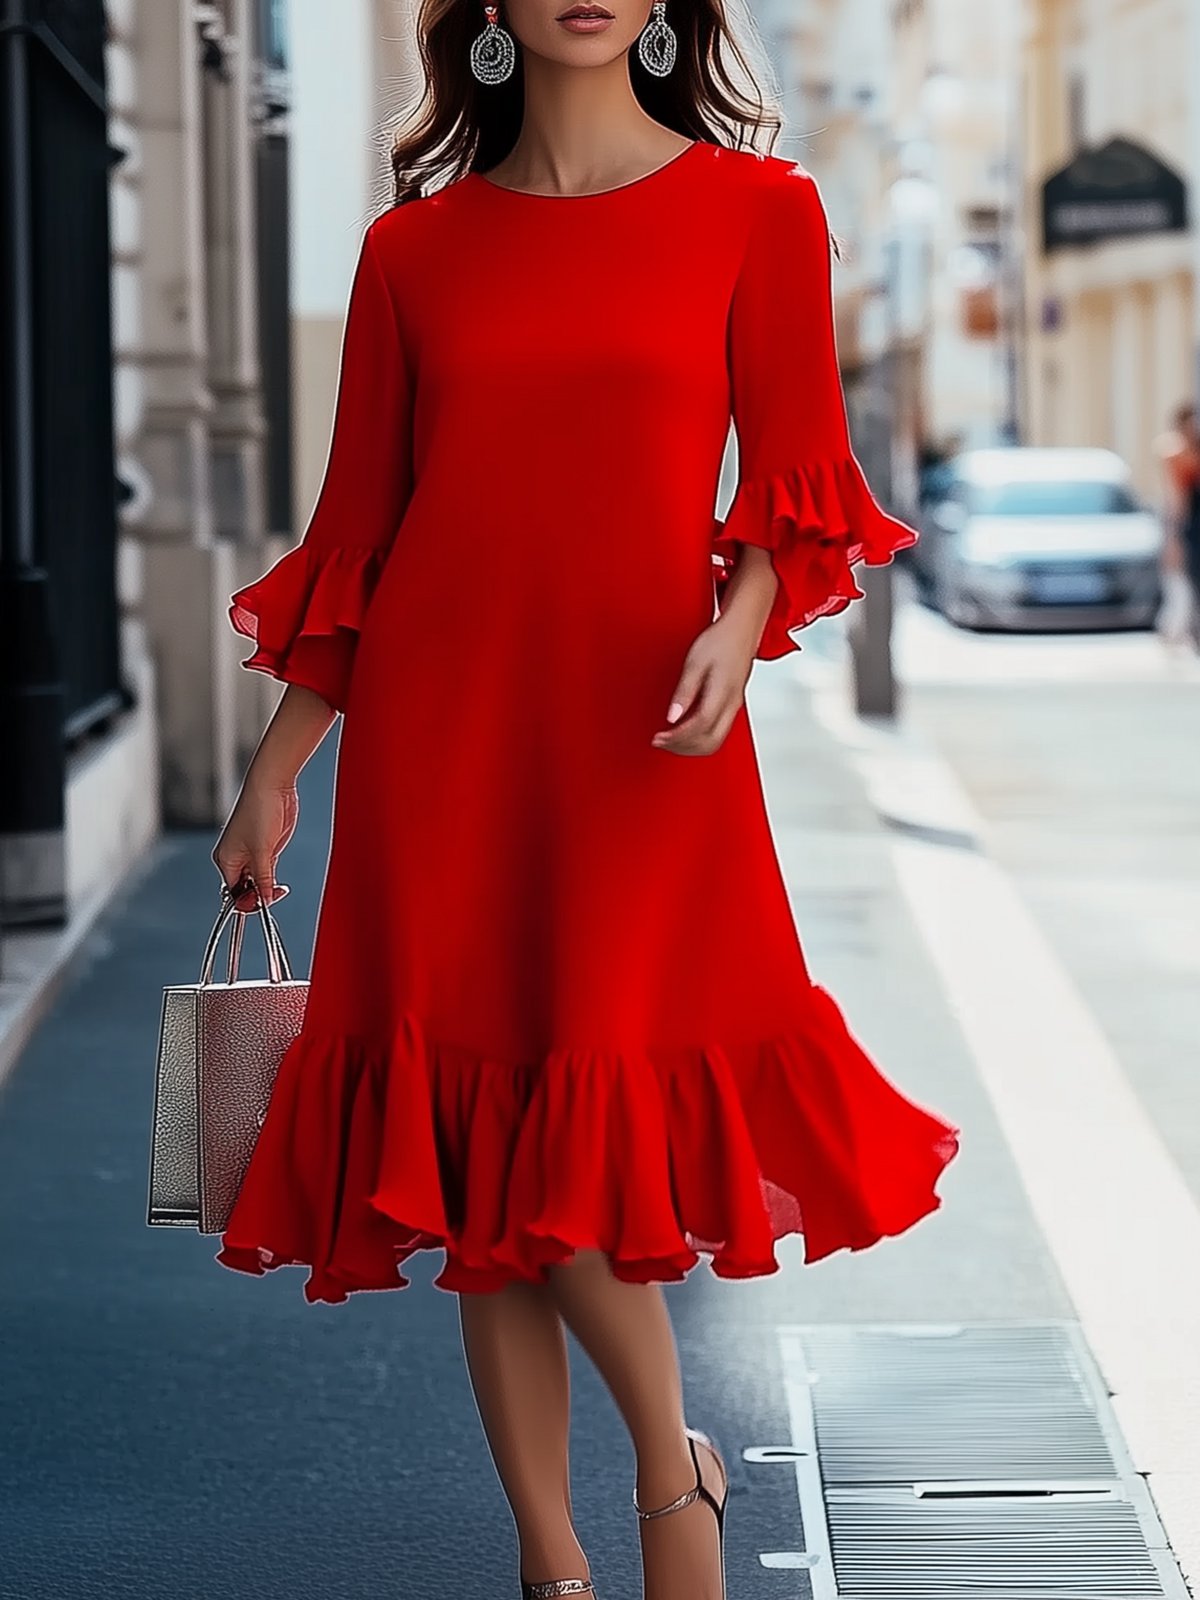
x,y
1041,538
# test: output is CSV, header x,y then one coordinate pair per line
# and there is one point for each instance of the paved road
x,y
175,1431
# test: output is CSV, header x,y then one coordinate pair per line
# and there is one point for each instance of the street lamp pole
x,y
912,201
1013,245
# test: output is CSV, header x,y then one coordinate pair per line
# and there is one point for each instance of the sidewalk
x,y
179,1431
1062,1058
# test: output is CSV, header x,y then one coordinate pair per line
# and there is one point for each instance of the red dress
x,y
557,998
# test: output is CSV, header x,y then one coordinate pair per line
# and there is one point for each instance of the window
x,y
1064,498
273,32
1076,111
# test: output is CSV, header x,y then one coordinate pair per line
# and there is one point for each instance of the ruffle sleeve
x,y
801,494
818,521
306,612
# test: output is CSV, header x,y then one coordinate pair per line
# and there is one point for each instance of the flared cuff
x,y
817,520
305,614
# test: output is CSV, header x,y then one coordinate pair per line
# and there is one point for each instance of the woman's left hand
x,y
710,693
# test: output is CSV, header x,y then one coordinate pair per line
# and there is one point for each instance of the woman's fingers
x,y
249,887
709,695
233,865
703,731
253,876
263,872
687,690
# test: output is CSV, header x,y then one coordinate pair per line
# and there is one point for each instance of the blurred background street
x,y
984,781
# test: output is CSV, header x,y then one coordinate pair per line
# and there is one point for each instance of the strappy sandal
x,y
551,1591
699,1492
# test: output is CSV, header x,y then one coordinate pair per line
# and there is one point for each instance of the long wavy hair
x,y
460,125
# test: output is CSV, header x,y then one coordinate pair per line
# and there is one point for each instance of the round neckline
x,y
594,194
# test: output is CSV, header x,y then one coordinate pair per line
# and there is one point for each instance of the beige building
x,y
1110,317
188,109
954,182
255,152
905,112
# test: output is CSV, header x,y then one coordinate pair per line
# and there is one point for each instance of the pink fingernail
x,y
676,711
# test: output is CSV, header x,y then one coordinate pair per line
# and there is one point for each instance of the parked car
x,y
1040,539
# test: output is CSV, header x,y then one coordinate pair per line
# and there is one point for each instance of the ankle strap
x,y
665,1511
551,1591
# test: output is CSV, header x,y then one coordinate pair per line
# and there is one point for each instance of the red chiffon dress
x,y
557,996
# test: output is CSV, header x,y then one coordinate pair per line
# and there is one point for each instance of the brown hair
x,y
461,125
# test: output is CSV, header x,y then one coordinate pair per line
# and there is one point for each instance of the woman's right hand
x,y
260,825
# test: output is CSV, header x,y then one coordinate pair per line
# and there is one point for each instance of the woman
x,y
1179,450
559,1023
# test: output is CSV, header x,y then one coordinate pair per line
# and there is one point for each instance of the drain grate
x,y
899,1546
896,1405
961,1462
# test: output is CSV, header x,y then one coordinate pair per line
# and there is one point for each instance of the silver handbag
x,y
219,1048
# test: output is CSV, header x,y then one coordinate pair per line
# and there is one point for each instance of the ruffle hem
x,y
368,1154
817,520
304,613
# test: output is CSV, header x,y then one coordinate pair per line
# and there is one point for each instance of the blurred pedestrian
x,y
559,1024
935,468
1179,451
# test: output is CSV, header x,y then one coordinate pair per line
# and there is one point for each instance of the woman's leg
x,y
1193,572
517,1359
626,1331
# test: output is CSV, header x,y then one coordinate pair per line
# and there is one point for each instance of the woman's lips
x,y
586,20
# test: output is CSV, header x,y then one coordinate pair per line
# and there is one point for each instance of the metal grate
x,y
895,1405
898,1547
964,1463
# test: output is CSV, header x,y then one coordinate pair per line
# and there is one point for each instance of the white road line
x,y
1114,1209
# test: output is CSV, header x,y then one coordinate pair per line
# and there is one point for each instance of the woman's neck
x,y
582,129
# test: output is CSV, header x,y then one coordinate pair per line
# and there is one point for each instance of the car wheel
x,y
948,600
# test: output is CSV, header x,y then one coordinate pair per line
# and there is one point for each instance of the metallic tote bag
x,y
219,1048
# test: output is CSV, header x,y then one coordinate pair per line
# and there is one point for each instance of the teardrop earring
x,y
658,42
493,54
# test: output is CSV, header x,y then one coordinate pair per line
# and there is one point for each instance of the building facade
x,y
954,181
1108,92
255,138
78,790
905,111
199,109
151,361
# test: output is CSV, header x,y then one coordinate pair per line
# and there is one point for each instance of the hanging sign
x,y
1119,190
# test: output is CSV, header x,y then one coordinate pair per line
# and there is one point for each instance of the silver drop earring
x,y
658,42
493,55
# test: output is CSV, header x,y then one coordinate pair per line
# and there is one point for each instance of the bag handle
x,y
272,938
279,968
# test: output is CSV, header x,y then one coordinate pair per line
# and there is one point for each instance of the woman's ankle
x,y
664,1473
546,1558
